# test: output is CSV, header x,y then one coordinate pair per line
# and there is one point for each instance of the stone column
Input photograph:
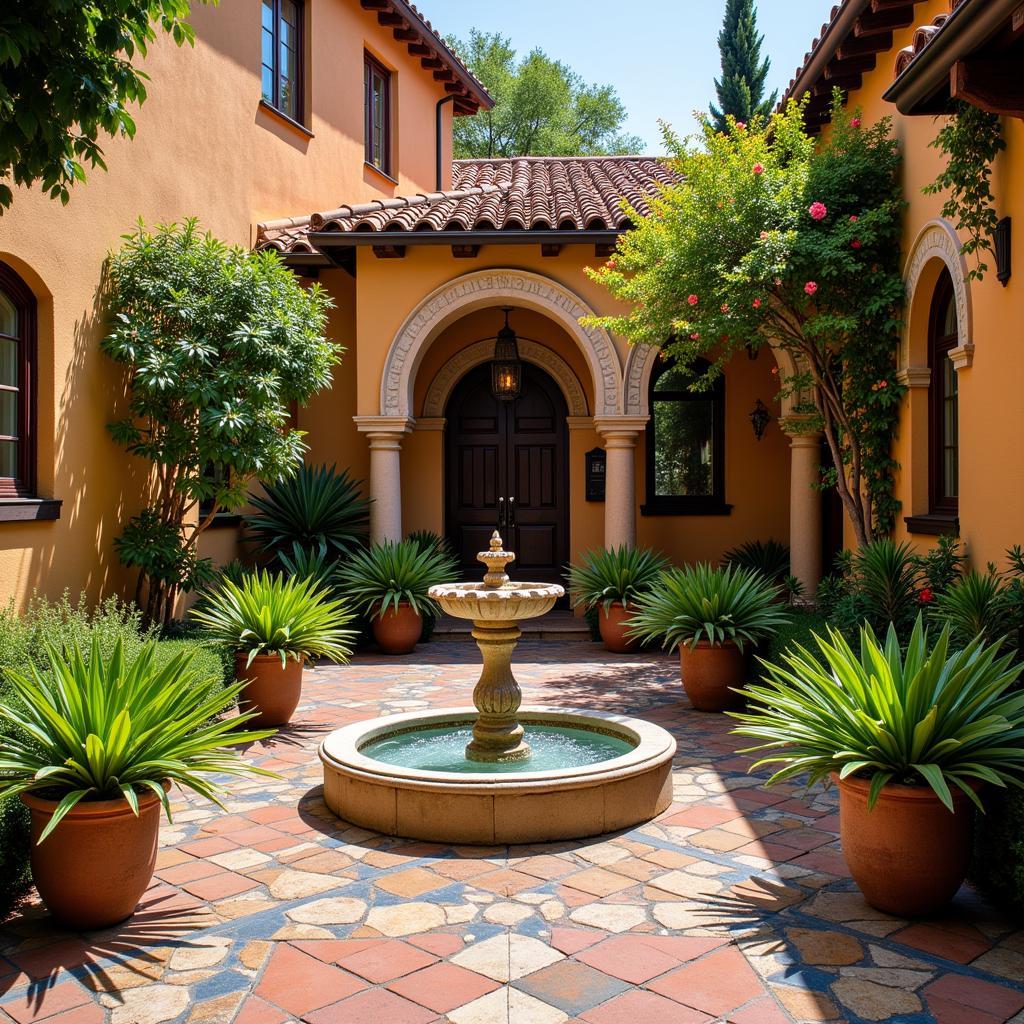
x,y
384,434
804,505
620,434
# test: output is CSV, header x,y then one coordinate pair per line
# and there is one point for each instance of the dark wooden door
x,y
506,467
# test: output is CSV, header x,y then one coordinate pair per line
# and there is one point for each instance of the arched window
x,y
685,443
17,364
943,431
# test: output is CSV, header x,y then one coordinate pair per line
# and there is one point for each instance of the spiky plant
x,y
768,557
607,576
387,574
976,605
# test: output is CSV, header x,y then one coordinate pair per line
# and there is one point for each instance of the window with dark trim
x,y
685,443
377,83
17,385
282,45
943,443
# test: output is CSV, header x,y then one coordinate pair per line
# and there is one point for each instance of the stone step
x,y
559,624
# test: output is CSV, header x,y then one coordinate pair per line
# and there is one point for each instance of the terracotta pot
x,y
908,854
93,868
612,624
398,630
272,689
710,674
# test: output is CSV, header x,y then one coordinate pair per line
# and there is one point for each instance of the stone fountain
x,y
498,772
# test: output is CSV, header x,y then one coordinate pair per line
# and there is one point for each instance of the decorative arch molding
x,y
483,289
937,241
533,352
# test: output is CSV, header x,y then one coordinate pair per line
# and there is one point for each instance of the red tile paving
x,y
717,984
443,987
299,983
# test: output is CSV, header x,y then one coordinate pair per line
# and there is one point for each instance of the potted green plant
x,y
908,737
390,582
95,744
610,580
275,624
710,615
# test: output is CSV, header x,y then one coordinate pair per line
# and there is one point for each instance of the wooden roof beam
x,y
989,83
848,83
850,66
852,46
375,5
884,21
389,19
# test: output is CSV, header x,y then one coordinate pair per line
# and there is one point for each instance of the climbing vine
x,y
970,140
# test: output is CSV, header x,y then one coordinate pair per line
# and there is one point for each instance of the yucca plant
x,y
701,602
430,540
976,605
387,574
887,579
106,727
614,575
933,716
291,617
317,507
768,557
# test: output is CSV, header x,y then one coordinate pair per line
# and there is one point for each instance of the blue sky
x,y
662,58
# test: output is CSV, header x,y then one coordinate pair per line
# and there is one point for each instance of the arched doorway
x,y
506,464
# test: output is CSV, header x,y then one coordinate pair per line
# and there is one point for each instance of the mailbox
x,y
595,474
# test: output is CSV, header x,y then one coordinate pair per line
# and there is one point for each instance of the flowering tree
x,y
772,238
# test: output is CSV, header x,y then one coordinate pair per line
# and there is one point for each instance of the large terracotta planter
x,y
398,630
908,854
613,623
711,673
272,690
92,870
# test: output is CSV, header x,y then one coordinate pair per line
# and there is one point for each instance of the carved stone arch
x,y
459,365
936,246
487,288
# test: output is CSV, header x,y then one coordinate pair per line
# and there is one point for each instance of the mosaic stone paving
x,y
734,906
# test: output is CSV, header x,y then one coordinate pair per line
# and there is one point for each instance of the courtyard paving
x,y
734,906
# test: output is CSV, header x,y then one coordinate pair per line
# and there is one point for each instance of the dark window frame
x,y
687,505
371,68
274,100
939,347
14,287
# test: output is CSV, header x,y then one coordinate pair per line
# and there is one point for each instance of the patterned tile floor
x,y
734,906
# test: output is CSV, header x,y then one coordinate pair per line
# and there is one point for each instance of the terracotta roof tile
x,y
519,193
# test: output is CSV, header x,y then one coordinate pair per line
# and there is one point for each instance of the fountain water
x,y
498,772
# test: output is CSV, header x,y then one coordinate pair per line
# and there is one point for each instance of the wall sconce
x,y
506,368
1002,245
760,418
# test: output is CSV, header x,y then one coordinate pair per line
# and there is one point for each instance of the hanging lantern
x,y
760,418
506,367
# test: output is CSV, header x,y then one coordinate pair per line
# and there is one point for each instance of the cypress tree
x,y
741,87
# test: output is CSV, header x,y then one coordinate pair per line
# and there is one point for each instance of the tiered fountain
x,y
498,772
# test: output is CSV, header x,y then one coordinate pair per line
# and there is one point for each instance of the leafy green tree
x,y
66,76
217,341
541,107
770,240
741,88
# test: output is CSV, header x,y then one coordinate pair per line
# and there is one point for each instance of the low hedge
x,y
998,868
800,629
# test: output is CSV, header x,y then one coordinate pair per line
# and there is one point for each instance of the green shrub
x,y
998,868
768,557
798,629
14,844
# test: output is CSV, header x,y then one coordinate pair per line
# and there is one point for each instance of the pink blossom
x,y
854,122
818,210
778,282
741,125
811,287
695,336
725,307
855,243
757,303
764,234
692,300
758,168
853,218
775,371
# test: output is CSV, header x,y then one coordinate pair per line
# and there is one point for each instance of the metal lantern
x,y
760,418
506,367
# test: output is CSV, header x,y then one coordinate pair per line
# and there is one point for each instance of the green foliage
x,y
429,540
541,107
799,629
770,238
15,841
607,576
387,574
217,342
316,509
970,141
741,88
291,617
701,602
104,727
66,76
998,868
768,557
932,716
942,565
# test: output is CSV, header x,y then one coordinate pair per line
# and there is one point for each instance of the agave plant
x,y
387,574
933,716
608,576
887,577
108,727
317,507
700,602
976,605
429,540
292,617
768,557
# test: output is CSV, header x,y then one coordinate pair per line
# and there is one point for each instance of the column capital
x,y
384,426
799,430
915,376
620,426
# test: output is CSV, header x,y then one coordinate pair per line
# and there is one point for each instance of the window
x,y
282,56
377,82
17,358
944,428
685,443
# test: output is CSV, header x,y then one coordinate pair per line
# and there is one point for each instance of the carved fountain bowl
x,y
508,603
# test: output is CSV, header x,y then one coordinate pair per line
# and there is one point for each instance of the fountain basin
x,y
511,805
510,602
